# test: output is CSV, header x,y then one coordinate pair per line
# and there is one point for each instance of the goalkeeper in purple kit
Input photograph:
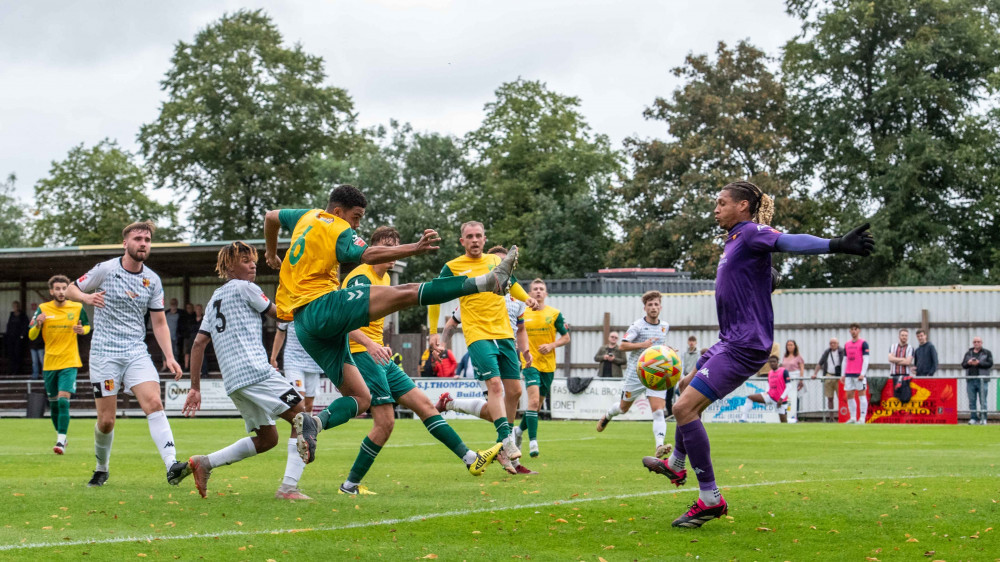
x,y
746,328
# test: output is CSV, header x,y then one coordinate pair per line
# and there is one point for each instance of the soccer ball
x,y
659,368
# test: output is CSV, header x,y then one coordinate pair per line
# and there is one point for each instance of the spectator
x,y
925,356
173,316
440,362
831,362
465,366
900,367
15,336
977,364
610,358
690,357
37,349
793,362
187,330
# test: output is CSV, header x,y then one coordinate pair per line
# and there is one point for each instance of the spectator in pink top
x,y
793,362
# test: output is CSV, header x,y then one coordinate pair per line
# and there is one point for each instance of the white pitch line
x,y
418,518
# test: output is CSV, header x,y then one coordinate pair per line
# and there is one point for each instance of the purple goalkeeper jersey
x,y
743,287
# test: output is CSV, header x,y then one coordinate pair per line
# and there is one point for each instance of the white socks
x,y
613,411
747,406
676,462
61,438
864,408
469,458
852,410
159,430
295,466
659,427
244,448
471,406
710,497
102,448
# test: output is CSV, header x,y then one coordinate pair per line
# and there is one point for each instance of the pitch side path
x,y
797,492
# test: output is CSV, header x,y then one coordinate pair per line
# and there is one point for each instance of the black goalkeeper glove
x,y
858,242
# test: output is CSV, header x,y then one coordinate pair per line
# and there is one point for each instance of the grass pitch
x,y
796,492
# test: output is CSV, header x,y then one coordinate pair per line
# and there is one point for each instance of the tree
x,y
728,121
12,215
410,179
892,107
539,178
244,119
91,195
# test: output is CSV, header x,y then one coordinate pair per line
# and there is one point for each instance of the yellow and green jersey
x,y
61,349
365,274
542,327
484,315
320,243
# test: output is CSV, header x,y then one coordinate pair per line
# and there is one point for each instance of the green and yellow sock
x,y
339,411
62,420
445,289
531,422
503,429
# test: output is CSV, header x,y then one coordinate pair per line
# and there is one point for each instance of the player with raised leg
x,y
746,328
309,292
641,335
388,384
124,290
60,323
233,323
542,326
490,341
776,395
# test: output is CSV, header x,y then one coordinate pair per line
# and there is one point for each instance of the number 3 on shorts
x,y
299,247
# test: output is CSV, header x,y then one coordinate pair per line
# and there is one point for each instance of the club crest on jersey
x,y
131,295
109,385
358,241
145,282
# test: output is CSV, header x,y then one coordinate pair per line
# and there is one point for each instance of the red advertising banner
x,y
843,413
933,401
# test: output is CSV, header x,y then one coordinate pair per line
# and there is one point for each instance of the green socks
x,y
339,411
62,420
503,429
445,289
445,434
530,422
54,414
366,456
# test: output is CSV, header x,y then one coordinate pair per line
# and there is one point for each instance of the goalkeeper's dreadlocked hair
x,y
761,206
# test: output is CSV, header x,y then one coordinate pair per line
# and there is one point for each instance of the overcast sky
x,y
73,72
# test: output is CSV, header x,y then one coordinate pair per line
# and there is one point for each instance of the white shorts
x,y
261,403
304,381
768,401
108,375
855,383
632,389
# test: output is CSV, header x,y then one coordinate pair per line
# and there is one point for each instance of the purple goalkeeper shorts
x,y
724,367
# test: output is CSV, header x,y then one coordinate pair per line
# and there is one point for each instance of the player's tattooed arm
x,y
449,329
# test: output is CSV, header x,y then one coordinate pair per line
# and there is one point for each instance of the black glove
x,y
858,242
775,279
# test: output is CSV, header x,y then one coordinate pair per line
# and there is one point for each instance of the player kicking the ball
x,y
309,292
746,328
125,290
233,323
388,384
641,335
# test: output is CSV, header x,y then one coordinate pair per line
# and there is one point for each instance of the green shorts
x,y
323,324
63,380
491,358
387,383
543,380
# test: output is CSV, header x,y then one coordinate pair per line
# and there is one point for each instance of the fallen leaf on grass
x,y
431,556
609,547
141,555
477,532
610,521
561,520
763,529
600,559
912,540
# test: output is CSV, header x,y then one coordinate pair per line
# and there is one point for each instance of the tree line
x,y
875,111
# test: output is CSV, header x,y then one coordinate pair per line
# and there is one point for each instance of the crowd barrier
x,y
934,400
